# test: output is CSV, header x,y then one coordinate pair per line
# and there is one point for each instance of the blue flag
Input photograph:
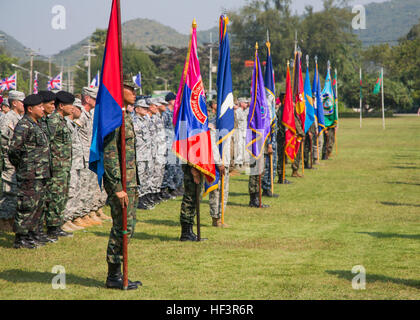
x,y
225,114
137,80
319,110
259,126
270,86
310,111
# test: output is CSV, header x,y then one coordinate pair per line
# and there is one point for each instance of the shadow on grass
x,y
407,167
22,276
234,204
392,235
408,183
237,194
371,278
397,204
6,239
141,236
169,223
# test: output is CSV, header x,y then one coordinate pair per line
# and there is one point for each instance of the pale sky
x,y
30,21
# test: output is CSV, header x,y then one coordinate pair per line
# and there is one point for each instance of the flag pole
x,y
383,102
336,111
302,150
360,97
223,197
283,173
259,194
271,174
123,158
197,208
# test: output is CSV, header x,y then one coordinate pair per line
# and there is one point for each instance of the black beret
x,y
64,97
170,96
32,100
47,96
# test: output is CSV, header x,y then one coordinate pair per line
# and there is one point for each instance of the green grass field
x,y
362,207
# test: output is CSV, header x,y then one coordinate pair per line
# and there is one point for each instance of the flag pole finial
x,y
194,24
329,65
256,45
316,59
307,61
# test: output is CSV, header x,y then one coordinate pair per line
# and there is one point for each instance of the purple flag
x,y
259,113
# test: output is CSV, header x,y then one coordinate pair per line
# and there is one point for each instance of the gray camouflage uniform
x,y
74,205
8,200
143,152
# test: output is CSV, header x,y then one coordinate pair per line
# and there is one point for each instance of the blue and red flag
x,y
259,120
109,103
192,141
35,91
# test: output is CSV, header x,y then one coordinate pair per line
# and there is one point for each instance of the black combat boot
x,y
186,233
267,193
253,200
141,205
24,241
164,194
285,181
40,241
114,279
148,201
55,232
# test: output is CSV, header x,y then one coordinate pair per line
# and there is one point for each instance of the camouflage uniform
x,y
299,132
266,181
307,148
215,196
73,206
280,140
61,154
173,176
112,184
143,152
29,152
8,200
329,140
189,200
240,136
159,150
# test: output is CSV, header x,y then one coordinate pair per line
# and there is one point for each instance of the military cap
x,y
32,100
47,96
243,100
161,101
78,103
141,103
128,82
151,101
170,96
5,102
16,95
91,92
64,97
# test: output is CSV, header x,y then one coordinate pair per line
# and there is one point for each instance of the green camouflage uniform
x,y
299,132
113,184
307,147
61,154
189,201
329,138
29,152
281,136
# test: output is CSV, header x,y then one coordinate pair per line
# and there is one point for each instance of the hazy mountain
x,y
389,21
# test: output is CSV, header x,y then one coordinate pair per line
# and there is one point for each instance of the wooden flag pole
x,y
336,111
197,208
317,146
302,150
223,199
123,159
271,174
259,194
383,102
360,97
283,173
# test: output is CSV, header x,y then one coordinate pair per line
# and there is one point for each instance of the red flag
x,y
299,94
288,120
